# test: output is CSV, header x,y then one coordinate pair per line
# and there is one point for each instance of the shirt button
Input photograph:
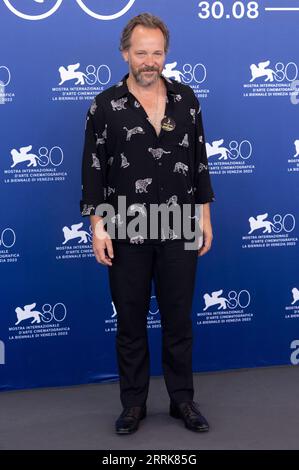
x,y
160,163
161,188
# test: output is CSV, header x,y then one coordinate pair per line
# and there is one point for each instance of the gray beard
x,y
145,83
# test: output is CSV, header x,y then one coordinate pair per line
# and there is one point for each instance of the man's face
x,y
146,55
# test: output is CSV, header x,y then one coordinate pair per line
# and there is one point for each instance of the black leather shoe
x,y
128,421
190,414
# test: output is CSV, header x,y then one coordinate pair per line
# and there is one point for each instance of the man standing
x,y
144,141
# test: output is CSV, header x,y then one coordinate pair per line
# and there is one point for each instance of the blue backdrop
x,y
57,321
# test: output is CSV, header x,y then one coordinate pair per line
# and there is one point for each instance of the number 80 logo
x,y
58,3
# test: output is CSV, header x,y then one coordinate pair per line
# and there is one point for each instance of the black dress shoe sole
x,y
175,414
123,432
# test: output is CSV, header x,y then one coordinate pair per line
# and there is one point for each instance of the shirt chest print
x,y
171,234
202,167
185,141
141,185
137,239
118,105
135,130
124,161
173,200
157,153
193,114
110,190
122,167
87,209
101,140
138,207
116,219
180,167
177,98
95,162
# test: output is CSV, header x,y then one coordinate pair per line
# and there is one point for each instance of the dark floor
x,y
246,409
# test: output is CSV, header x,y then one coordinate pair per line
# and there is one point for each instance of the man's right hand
x,y
101,241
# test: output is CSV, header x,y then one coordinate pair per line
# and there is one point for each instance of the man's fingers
x,y
97,254
205,248
100,255
109,248
104,259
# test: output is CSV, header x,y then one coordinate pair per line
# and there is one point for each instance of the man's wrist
x,y
96,223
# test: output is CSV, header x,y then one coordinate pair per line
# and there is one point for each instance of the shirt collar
x,y
121,88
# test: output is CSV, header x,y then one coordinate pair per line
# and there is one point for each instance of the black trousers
x,y
173,271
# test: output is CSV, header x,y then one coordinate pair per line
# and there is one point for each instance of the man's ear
x,y
125,55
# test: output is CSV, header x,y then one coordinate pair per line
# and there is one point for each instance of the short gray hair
x,y
148,21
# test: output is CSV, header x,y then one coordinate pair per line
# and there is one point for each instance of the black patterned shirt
x,y
123,156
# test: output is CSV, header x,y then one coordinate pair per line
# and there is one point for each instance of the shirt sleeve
x,y
93,161
203,191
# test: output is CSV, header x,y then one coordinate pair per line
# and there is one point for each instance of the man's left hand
x,y
207,231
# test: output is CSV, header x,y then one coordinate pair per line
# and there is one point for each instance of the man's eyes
x,y
143,53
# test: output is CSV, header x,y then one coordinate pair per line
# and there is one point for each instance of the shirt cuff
x,y
204,198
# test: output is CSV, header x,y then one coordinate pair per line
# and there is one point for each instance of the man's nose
x,y
149,60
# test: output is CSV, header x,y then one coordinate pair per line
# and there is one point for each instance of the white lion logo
x,y
260,222
22,155
74,232
217,149
214,299
71,73
295,293
170,73
27,312
261,70
296,148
